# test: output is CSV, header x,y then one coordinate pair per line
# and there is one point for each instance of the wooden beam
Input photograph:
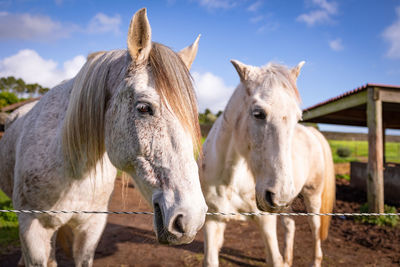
x,y
390,96
350,115
341,104
375,153
338,122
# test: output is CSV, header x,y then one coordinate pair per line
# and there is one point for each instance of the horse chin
x,y
169,239
166,238
267,208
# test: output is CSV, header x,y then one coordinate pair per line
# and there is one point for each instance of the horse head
x,y
266,126
139,106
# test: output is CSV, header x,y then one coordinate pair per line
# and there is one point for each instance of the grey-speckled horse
x,y
130,109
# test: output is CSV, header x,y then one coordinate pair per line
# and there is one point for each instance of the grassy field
x,y
359,151
8,224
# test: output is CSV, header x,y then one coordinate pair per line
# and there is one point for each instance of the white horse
x,y
257,157
130,109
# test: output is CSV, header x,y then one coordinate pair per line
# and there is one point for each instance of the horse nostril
x,y
268,198
178,224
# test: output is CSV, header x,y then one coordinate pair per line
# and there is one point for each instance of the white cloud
x,y
330,7
32,68
268,27
313,17
71,67
26,26
101,23
218,4
212,92
322,14
336,45
255,6
392,35
265,23
42,28
256,19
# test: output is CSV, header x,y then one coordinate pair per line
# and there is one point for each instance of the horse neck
x,y
229,124
221,144
232,109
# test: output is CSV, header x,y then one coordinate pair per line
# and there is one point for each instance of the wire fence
x,y
338,214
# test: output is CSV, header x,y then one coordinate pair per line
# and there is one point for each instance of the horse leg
x,y
313,204
86,238
21,262
35,241
52,259
213,240
289,226
267,226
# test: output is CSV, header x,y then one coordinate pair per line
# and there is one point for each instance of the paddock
x,y
129,239
376,106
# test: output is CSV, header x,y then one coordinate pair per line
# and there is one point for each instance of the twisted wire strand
x,y
208,213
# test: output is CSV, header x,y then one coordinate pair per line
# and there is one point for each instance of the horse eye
x,y
259,114
144,108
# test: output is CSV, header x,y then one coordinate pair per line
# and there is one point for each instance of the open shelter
x,y
376,106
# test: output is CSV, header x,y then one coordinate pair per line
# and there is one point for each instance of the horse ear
x,y
139,37
296,70
242,69
188,54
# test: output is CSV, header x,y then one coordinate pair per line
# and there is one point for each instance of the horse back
x,y
307,157
29,137
320,178
7,156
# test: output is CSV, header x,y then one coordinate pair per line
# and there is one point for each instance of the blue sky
x,y
345,43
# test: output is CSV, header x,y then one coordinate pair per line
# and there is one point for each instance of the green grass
x,y
8,223
3,197
203,139
359,151
343,176
391,220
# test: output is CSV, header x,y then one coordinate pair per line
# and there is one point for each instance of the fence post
x,y
375,153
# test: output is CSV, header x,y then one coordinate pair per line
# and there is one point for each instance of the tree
x,y
8,98
20,88
207,117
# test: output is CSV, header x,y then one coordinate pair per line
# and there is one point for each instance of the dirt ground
x,y
129,240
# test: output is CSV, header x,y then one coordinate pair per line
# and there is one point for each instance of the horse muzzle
x,y
176,227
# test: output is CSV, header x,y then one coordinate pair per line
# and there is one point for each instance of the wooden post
x,y
375,153
384,146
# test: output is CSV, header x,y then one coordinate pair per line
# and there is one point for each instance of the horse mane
x,y
83,130
174,83
281,75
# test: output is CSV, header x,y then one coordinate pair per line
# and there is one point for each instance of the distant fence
x,y
205,129
356,136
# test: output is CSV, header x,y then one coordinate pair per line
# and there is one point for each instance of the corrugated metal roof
x,y
352,92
